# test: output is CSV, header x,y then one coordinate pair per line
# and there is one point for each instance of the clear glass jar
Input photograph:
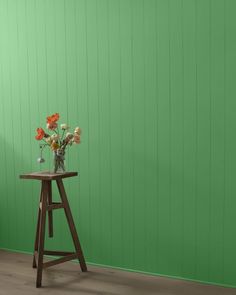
x,y
59,161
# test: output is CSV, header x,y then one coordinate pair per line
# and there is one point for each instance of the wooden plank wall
x,y
152,84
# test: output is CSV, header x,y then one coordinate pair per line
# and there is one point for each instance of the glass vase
x,y
59,161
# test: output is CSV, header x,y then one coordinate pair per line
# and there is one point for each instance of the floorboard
x,y
17,277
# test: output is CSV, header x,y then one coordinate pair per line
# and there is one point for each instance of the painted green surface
x,y
152,84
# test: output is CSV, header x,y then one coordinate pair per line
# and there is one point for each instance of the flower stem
x,y
62,134
46,142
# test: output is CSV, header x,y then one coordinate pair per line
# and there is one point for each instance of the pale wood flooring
x,y
18,278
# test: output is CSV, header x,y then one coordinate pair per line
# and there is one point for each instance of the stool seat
x,y
46,205
47,175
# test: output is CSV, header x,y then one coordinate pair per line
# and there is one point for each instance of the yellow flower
x,y
54,145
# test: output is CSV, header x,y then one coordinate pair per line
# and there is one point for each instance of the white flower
x,y
78,130
48,140
55,136
64,126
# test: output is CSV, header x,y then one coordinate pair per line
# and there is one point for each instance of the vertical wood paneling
x,y
216,224
229,254
82,78
204,98
4,86
10,170
176,135
163,114
16,115
103,48
127,99
190,138
152,84
150,137
93,140
116,131
138,54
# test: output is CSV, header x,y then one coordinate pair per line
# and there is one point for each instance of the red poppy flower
x,y
40,134
53,118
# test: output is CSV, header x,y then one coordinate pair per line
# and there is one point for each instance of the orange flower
x,y
54,145
53,118
40,134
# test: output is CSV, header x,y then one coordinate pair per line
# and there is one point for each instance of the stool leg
x,y
37,230
50,220
71,225
42,233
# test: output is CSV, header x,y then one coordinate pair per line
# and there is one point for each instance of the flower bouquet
x,y
56,141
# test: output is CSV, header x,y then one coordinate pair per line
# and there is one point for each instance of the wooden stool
x,y
46,204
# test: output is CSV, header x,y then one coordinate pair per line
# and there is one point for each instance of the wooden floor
x,y
18,278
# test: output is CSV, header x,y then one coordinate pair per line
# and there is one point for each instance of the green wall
x,y
152,84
